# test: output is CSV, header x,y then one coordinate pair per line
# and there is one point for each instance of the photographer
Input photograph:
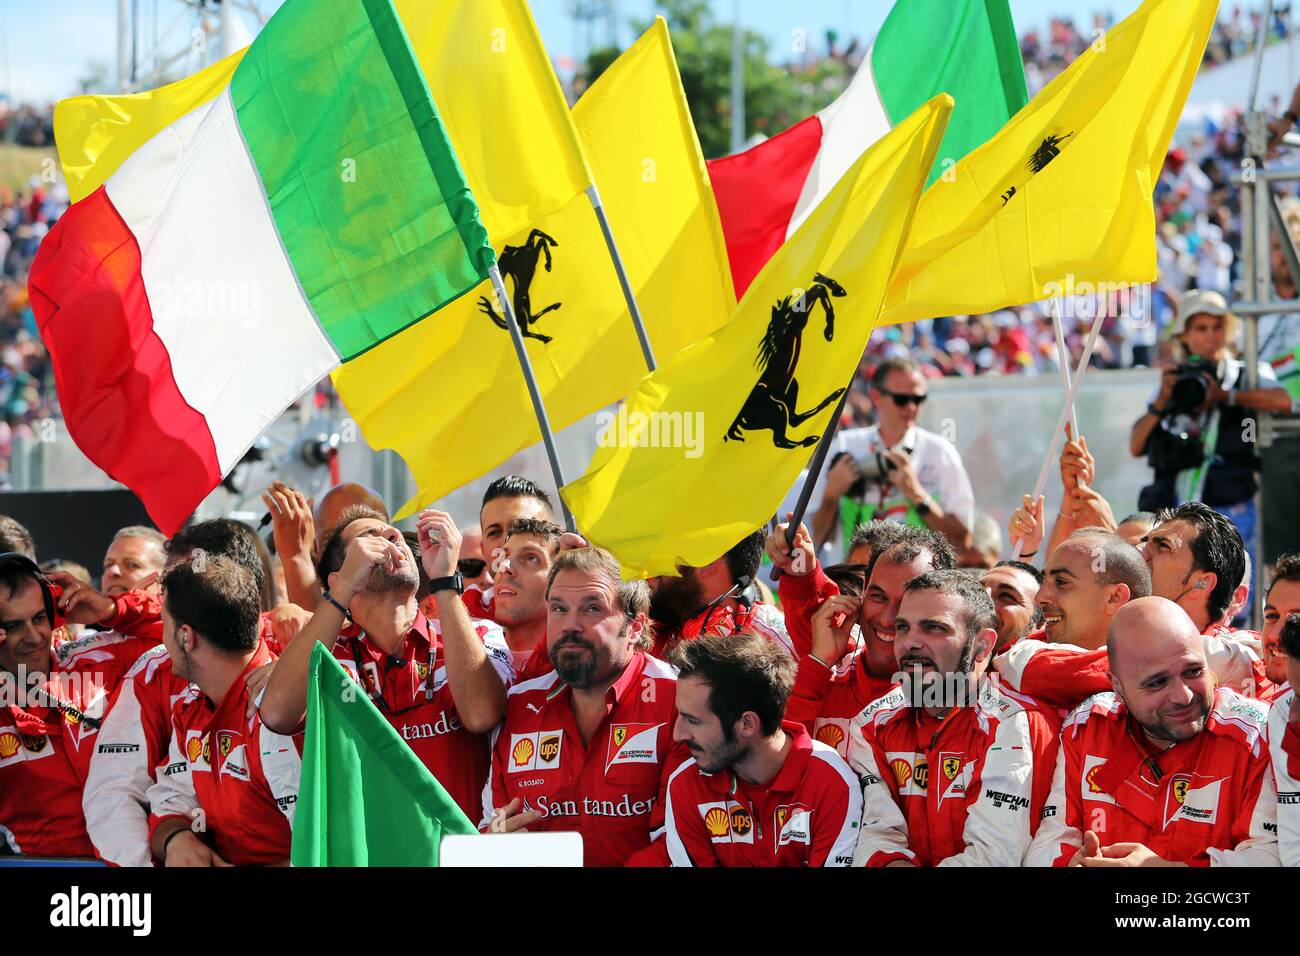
x,y
1195,432
892,471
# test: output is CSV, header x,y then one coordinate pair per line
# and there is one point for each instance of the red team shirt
x,y
416,700
1284,751
45,752
807,816
1205,801
966,790
241,775
610,790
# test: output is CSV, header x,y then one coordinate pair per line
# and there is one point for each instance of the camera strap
x,y
1189,483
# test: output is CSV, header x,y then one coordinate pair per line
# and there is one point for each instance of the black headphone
x,y
13,561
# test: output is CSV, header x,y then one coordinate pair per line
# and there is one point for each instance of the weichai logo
x,y
523,752
717,822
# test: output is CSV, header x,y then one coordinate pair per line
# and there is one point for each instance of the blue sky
x,y
45,48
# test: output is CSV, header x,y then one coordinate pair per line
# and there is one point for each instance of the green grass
x,y
18,164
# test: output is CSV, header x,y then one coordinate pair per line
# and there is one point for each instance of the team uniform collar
x,y
790,775
617,691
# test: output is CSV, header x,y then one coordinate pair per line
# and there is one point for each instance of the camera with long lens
x,y
1192,386
874,469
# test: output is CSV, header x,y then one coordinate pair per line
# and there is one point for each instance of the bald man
x,y
1163,770
1088,579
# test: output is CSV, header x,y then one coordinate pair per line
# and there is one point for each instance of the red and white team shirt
x,y
1065,675
826,702
134,741
1207,801
410,689
45,751
241,775
610,790
1284,754
807,816
965,790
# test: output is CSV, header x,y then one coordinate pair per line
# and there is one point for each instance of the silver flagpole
x,y
1063,358
548,439
593,194
1059,433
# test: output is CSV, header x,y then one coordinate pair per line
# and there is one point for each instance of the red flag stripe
x,y
114,377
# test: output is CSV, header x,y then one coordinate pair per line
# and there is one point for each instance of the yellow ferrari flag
x,y
1065,189
707,446
448,394
496,92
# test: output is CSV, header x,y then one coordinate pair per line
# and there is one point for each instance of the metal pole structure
x,y
815,469
1261,40
1262,254
1059,432
548,438
593,194
123,56
737,84
1063,358
1289,252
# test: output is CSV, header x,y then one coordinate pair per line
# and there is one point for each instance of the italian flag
x,y
308,210
966,48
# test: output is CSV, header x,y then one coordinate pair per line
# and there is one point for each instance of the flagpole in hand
x,y
593,195
1059,433
814,469
1063,359
548,439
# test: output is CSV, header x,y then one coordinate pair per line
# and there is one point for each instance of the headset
x,y
49,592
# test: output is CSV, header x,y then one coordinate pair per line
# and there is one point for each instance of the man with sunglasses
x,y
922,481
1164,770
52,701
440,683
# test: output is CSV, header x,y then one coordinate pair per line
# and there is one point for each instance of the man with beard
x,y
240,775
805,585
1284,745
1164,770
1013,587
134,560
440,683
519,584
824,698
589,747
759,791
720,598
954,769
54,703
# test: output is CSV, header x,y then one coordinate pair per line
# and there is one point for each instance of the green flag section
x,y
364,799
965,48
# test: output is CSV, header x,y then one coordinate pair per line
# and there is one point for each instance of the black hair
x,y
912,542
980,612
1217,548
1291,636
218,598
225,537
745,672
516,486
901,363
878,535
1286,569
745,556
1029,569
548,531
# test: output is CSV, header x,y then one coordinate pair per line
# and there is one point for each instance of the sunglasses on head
x,y
471,567
902,400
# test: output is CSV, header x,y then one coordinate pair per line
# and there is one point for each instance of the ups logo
x,y
921,774
549,747
741,821
34,744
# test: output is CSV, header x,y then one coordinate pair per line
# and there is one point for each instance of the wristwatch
x,y
454,582
1157,412
923,506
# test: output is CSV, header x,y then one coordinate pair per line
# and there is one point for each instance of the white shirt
x,y
938,467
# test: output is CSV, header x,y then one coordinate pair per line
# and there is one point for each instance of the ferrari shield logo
x,y
620,735
951,767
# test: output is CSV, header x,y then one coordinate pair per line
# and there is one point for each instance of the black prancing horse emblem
x,y
519,265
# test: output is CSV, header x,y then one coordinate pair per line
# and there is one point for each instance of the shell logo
x,y
717,822
831,735
8,745
523,752
1180,790
194,749
1092,780
902,771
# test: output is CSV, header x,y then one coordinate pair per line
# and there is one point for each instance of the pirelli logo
x,y
174,768
1289,799
118,748
1048,811
1009,800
